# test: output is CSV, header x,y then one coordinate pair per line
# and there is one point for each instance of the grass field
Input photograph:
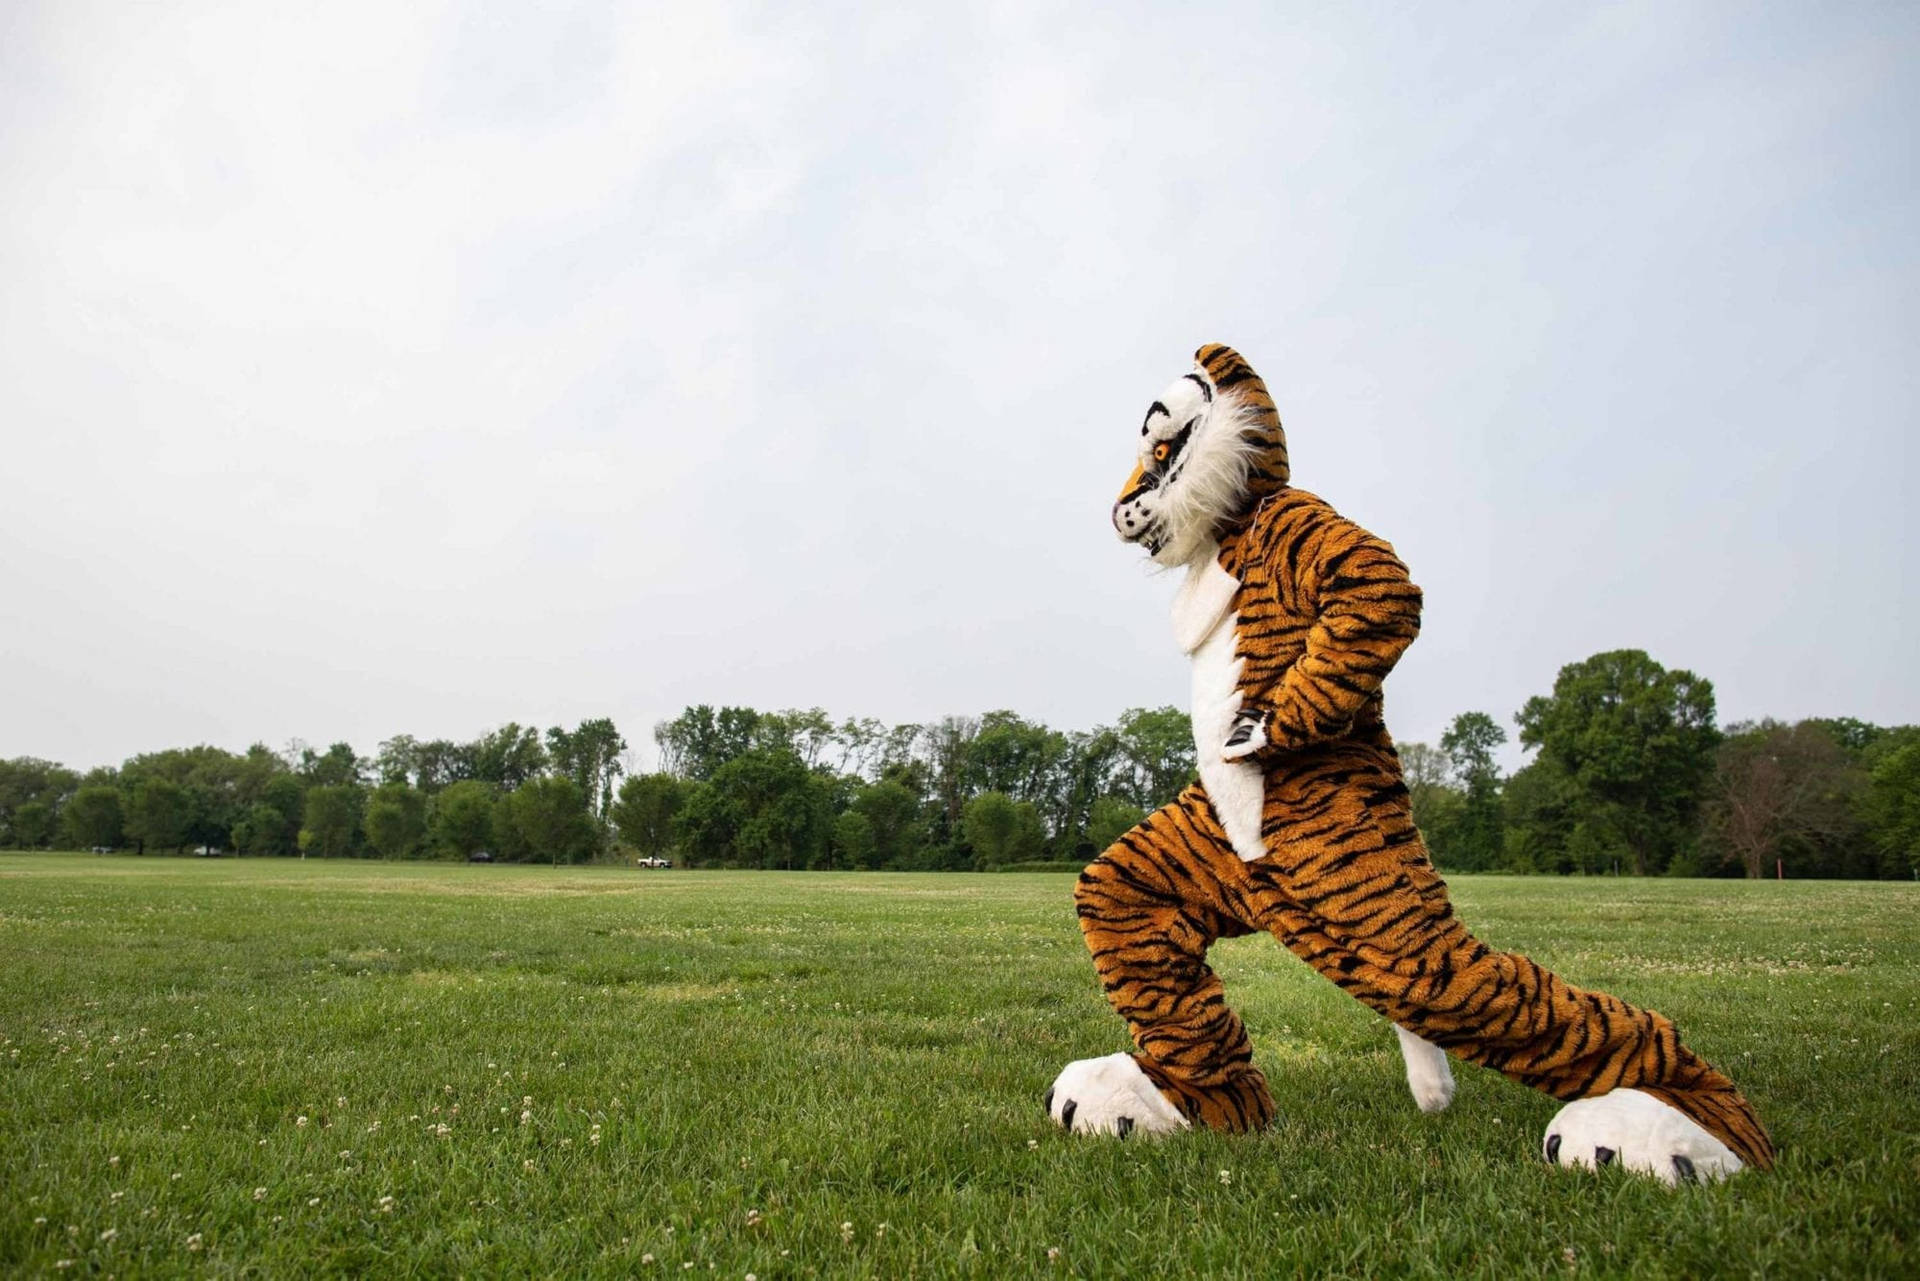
x,y
282,1068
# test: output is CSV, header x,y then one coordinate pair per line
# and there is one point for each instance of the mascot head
x,y
1210,449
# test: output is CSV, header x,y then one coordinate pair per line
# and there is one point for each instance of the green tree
x,y
333,818
1475,837
696,743
263,830
590,756
157,814
335,767
763,808
1542,806
644,813
1111,819
396,820
892,811
461,822
276,819
1637,740
31,794
93,817
1891,805
1002,830
33,824
506,757
853,842
551,816
1156,755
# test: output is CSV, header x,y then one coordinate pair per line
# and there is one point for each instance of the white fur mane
x,y
1210,482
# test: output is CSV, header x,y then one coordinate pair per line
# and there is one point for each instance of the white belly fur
x,y
1204,623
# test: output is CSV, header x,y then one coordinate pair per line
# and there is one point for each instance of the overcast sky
x,y
374,368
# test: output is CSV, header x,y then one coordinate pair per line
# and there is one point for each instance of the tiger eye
x,y
1160,452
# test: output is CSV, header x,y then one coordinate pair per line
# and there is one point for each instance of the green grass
x,y
767,1057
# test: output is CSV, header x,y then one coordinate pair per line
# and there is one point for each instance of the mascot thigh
x,y
1300,826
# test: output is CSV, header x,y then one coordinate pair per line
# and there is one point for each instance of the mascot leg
x,y
1388,937
1149,908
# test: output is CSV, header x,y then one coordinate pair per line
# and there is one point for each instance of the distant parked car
x,y
479,856
650,861
207,851
101,849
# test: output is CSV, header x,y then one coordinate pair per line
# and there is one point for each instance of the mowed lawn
x,y
282,1068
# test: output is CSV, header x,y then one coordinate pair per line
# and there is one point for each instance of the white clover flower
x,y
110,1234
259,1194
846,1233
527,1164
299,1122
312,1201
193,1242
1226,1176
1053,1254
646,1258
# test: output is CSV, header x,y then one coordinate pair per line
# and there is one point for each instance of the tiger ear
x,y
1259,420
1224,365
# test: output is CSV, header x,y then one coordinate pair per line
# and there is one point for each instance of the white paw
x,y
1110,1096
1247,735
1638,1131
1429,1075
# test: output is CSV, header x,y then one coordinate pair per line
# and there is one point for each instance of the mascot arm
x,y
1368,613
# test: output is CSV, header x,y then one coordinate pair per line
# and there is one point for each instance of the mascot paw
x,y
1247,735
1110,1096
1429,1075
1635,1130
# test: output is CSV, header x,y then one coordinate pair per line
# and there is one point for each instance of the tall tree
x,y
335,767
1156,755
157,814
1637,740
551,815
1476,838
396,820
1891,805
763,808
644,813
27,781
505,757
93,817
1111,819
1001,830
461,821
332,819
590,756
899,832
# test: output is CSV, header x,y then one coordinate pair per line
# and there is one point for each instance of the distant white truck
x,y
650,861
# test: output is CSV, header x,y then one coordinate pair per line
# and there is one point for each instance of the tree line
x,y
1629,774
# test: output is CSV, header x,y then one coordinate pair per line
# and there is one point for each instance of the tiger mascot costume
x,y
1300,825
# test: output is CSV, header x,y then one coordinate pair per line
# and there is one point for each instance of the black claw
x,y
1047,1102
1683,1165
1066,1113
1553,1149
1125,1126
1602,1156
